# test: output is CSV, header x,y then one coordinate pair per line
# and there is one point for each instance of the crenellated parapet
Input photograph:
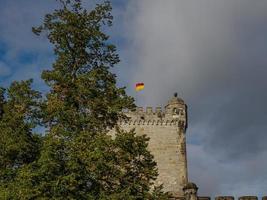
x,y
223,198
203,198
156,116
152,122
232,198
190,193
173,114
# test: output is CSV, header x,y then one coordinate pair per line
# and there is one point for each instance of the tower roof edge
x,y
175,100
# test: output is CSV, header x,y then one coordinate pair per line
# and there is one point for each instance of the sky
x,y
213,53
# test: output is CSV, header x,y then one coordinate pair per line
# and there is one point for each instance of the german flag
x,y
139,86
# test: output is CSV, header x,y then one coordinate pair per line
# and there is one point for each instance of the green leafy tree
x,y
78,158
18,145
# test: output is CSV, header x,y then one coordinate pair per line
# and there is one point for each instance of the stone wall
x,y
225,198
232,198
166,130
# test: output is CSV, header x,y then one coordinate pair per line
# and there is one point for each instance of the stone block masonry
x,y
166,130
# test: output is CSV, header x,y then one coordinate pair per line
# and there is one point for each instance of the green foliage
x,y
81,83
20,114
18,146
76,158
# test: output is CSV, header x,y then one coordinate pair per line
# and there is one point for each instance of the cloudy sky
x,y
212,52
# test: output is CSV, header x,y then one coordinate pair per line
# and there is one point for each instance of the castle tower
x,y
166,130
190,191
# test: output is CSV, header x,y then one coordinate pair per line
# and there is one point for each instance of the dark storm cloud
x,y
214,53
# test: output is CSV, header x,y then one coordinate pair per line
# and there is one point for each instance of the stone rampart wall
x,y
224,198
232,198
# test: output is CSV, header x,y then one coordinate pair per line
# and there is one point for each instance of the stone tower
x,y
166,129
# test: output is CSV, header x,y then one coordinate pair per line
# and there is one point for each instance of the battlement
x,y
223,198
232,198
152,122
190,193
156,116
152,111
173,114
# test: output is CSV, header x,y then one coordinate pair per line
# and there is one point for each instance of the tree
x,y
18,145
78,159
82,85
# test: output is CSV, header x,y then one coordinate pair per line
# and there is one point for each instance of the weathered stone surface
x,y
203,198
248,198
224,198
166,130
